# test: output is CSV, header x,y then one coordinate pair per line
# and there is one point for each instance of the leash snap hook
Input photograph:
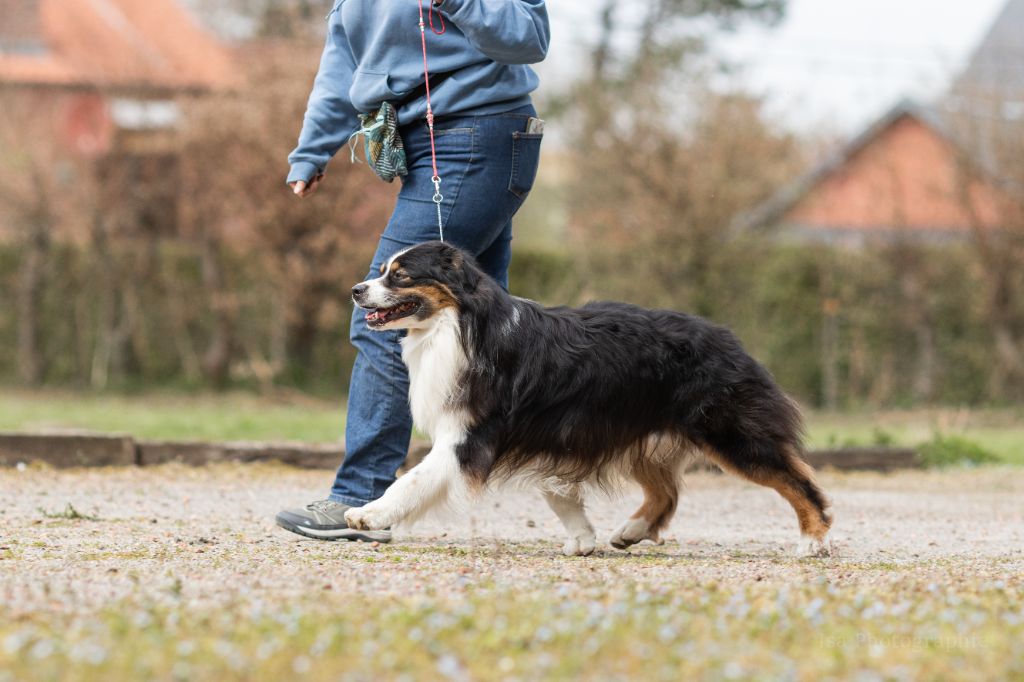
x,y
438,198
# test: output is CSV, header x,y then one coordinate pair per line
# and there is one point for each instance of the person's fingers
x,y
299,187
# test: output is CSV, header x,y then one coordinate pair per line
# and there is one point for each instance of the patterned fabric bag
x,y
382,143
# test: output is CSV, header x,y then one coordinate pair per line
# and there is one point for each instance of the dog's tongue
x,y
373,315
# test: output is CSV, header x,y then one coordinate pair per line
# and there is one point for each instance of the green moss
x,y
954,450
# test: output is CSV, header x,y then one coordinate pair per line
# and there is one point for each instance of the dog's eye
x,y
400,277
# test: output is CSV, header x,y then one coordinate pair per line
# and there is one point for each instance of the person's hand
x,y
303,189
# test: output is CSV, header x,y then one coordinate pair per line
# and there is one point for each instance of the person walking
x,y
487,140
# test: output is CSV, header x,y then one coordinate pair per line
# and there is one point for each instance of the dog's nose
x,y
359,289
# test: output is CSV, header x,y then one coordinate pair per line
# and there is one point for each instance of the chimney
x,y
21,27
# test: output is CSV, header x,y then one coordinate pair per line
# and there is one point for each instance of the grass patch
x,y
998,432
943,451
814,631
170,416
69,513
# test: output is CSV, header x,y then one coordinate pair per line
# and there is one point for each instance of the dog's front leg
x,y
424,486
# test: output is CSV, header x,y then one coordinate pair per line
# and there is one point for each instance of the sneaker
x,y
325,520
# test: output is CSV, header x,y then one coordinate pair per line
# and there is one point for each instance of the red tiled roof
x,y
116,43
903,173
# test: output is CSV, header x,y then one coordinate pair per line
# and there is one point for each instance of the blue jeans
x,y
487,166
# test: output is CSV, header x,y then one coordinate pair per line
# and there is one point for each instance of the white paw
x,y
366,518
632,532
814,547
580,546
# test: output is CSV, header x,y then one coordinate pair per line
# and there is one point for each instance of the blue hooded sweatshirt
x,y
373,54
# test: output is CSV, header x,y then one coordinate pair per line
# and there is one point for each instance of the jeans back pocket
x,y
525,160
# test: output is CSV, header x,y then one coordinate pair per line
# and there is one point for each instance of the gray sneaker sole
x,y
332,534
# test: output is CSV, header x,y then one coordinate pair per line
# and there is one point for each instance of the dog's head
x,y
416,285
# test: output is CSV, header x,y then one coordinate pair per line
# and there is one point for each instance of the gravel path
x,y
208,535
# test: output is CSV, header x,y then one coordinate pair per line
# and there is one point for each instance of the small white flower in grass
x,y
186,647
266,649
733,671
302,665
21,466
15,641
450,667
813,609
88,652
44,648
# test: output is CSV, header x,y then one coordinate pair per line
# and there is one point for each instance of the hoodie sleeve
x,y
330,118
507,31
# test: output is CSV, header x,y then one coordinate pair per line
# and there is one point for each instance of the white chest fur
x,y
435,360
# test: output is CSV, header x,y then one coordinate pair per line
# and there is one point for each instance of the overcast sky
x,y
832,64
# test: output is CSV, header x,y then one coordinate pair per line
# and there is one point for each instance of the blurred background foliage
x,y
195,268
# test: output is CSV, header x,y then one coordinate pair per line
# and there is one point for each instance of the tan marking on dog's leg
x,y
661,494
790,482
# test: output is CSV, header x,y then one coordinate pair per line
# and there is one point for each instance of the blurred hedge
x,y
773,296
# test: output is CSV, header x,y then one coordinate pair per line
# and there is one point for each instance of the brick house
x,y
924,173
105,78
905,176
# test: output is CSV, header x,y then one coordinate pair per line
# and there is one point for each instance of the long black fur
x,y
567,391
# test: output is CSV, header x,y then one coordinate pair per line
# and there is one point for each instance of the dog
x,y
575,397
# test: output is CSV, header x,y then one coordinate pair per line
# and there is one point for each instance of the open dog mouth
x,y
378,317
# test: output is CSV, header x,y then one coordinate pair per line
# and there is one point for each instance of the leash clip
x,y
438,198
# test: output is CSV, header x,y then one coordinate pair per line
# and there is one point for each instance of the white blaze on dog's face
x,y
414,286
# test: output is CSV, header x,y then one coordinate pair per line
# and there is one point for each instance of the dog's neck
x,y
436,360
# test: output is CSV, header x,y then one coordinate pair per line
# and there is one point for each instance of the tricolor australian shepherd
x,y
575,396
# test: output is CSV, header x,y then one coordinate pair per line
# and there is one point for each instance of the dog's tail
x,y
763,443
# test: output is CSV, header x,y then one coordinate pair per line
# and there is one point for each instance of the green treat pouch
x,y
381,142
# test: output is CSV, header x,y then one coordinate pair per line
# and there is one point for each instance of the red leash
x,y
436,179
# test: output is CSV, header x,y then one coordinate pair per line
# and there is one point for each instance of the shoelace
x,y
323,505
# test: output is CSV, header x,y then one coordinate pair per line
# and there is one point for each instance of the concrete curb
x,y
67,449
63,450
879,458
80,449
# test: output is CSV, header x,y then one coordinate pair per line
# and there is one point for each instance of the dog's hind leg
x,y
660,483
568,506
789,475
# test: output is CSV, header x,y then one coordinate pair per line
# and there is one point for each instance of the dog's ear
x,y
461,268
451,257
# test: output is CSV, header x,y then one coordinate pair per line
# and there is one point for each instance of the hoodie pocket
x,y
525,160
370,89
